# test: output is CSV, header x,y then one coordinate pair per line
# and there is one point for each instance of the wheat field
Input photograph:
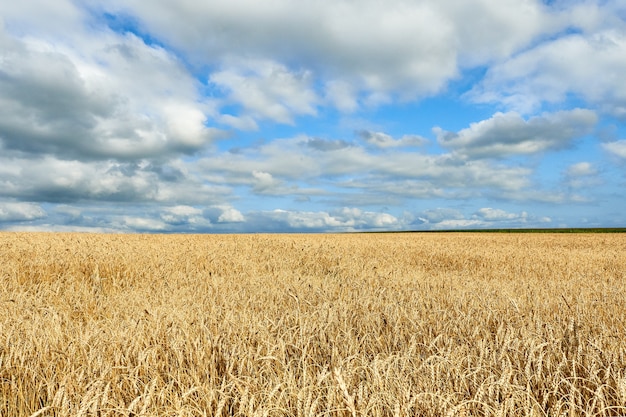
x,y
424,324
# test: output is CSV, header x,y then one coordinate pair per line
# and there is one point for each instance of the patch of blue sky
x,y
125,23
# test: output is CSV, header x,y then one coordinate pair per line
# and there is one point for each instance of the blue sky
x,y
311,116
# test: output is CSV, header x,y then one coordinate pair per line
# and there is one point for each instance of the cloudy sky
x,y
311,115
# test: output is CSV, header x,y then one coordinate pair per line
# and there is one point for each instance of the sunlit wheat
x,y
310,325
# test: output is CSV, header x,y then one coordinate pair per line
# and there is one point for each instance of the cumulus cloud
x,y
85,100
265,183
405,48
507,134
586,65
186,215
231,215
112,113
19,212
143,224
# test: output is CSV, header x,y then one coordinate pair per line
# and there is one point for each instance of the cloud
x,y
19,212
344,219
267,89
363,51
489,214
56,19
118,115
383,140
581,175
581,169
589,66
231,215
86,101
326,145
507,134
143,224
483,218
265,183
286,166
439,215
617,148
60,181
342,95
183,215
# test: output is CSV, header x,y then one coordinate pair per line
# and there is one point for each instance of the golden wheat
x,y
310,325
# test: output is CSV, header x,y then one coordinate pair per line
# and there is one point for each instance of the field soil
x,y
420,324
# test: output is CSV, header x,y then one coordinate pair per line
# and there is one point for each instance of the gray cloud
x,y
90,104
383,140
507,134
326,145
61,181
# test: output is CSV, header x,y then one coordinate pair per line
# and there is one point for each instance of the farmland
x,y
437,324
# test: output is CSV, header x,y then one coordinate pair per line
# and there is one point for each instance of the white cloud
x,y
184,215
617,148
265,183
491,30
231,215
267,89
581,169
581,175
507,134
56,18
245,123
18,212
282,166
345,219
61,228
485,217
489,214
98,96
439,215
458,224
586,65
119,109
408,49
143,224
342,95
